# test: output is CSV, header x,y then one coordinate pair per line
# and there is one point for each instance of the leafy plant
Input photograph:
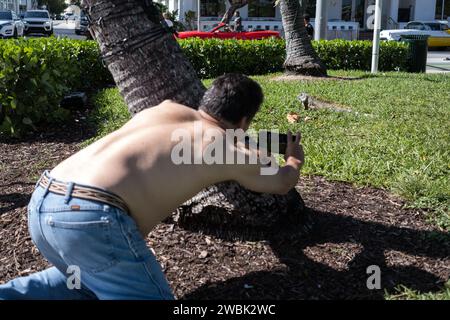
x,y
35,74
213,57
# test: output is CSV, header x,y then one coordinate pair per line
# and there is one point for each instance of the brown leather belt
x,y
84,192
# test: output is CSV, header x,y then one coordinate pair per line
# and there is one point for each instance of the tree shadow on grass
x,y
403,255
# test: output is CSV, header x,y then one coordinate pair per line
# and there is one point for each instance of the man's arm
x,y
284,180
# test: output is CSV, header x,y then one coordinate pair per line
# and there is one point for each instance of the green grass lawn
x,y
404,293
398,138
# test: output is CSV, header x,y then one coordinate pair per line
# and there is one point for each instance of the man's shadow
x,y
409,250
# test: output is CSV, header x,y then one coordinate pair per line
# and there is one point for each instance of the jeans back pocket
x,y
82,238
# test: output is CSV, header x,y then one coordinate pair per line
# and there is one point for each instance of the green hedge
x,y
35,74
213,57
357,55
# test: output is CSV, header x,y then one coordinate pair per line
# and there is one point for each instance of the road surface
x,y
63,29
438,61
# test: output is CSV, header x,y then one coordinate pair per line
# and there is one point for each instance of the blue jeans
x,y
96,249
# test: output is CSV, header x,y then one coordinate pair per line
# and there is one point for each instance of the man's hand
x,y
294,151
280,183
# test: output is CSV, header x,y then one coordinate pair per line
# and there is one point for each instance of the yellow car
x,y
438,31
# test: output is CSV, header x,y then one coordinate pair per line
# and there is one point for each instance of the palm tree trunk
x,y
144,58
234,5
149,67
301,57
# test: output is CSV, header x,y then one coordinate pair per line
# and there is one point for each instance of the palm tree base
x,y
306,68
228,211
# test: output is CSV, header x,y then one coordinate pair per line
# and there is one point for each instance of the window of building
x,y
212,8
347,10
404,14
359,12
442,12
261,8
353,12
7,4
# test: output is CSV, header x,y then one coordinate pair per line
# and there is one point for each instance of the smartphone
x,y
267,141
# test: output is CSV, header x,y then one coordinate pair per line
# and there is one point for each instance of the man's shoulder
x,y
174,109
170,104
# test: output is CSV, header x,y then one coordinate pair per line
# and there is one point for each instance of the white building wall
x,y
9,5
334,10
393,9
420,10
243,11
28,4
425,10
184,6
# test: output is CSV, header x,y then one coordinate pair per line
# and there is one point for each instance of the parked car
x,y
82,25
10,24
68,15
38,21
222,32
437,30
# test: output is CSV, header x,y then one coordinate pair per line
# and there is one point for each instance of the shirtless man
x,y
90,214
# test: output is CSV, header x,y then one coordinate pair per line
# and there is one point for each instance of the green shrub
x,y
35,74
213,57
91,71
357,55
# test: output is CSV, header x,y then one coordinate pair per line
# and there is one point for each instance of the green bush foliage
x,y
35,74
213,57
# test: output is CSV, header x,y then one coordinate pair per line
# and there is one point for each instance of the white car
x,y
438,32
38,21
10,24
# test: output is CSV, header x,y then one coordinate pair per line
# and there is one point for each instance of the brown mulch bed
x,y
353,229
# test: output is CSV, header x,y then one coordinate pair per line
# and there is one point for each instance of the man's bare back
x,y
140,163
135,163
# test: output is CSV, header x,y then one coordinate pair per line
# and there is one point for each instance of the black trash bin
x,y
418,50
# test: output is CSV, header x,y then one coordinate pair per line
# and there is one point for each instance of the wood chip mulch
x,y
353,228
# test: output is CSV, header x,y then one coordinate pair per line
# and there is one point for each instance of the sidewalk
x,y
438,62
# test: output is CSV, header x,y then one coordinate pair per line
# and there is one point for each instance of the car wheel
x,y
15,33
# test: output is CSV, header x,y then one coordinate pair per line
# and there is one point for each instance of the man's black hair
x,y
306,17
232,97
